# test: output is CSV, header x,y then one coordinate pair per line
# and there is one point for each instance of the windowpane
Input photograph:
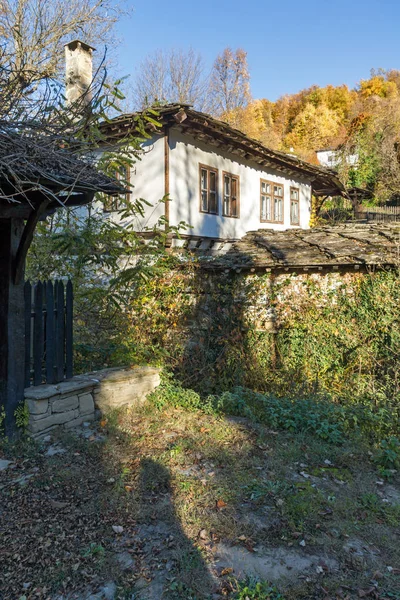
x,y
213,181
294,212
227,186
204,200
234,187
208,189
277,209
263,206
226,205
294,194
213,202
203,179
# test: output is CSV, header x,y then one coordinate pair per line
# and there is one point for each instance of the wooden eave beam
x,y
26,239
277,163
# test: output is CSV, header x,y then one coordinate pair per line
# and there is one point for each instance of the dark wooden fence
x,y
48,332
379,213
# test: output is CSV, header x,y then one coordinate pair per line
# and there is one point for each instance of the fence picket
x,y
68,330
50,333
28,319
38,334
60,330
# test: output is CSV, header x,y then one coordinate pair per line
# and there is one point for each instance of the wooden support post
x,y
12,323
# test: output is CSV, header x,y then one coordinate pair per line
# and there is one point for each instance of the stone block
x,y
126,388
37,407
41,392
86,404
76,385
64,404
78,421
53,419
38,417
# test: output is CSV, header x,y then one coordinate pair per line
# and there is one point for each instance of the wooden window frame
x,y
115,203
271,197
232,176
298,205
214,170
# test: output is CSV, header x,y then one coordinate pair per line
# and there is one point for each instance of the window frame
x,y
237,178
292,187
115,203
271,200
214,170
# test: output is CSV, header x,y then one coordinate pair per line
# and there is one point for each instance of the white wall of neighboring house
x,y
328,158
185,156
331,158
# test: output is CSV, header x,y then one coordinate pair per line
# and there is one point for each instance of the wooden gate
x,y
48,332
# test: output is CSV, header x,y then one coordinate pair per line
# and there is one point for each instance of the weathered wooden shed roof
x,y
346,246
35,166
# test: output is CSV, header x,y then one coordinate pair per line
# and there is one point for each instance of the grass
x,y
184,484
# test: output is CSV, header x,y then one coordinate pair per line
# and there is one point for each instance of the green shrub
x,y
388,456
257,590
321,417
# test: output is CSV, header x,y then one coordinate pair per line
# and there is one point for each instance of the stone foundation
x,y
71,403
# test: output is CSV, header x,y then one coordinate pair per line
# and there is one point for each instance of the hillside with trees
x,y
363,121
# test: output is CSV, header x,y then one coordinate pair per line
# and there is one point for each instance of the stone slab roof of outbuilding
x,y
347,246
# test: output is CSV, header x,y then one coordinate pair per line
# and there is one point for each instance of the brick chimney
x,y
79,71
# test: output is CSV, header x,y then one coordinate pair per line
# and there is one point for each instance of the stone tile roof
x,y
344,246
217,133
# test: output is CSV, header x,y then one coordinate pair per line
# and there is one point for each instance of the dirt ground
x,y
174,504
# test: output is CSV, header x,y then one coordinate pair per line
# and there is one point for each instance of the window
x,y
230,195
271,202
294,206
208,190
113,203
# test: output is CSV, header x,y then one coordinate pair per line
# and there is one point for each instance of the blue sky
x,y
290,44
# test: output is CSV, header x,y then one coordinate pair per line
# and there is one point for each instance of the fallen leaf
x,y
365,593
203,534
117,528
56,504
226,571
220,504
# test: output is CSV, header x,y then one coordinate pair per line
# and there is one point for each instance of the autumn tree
x,y
33,32
230,85
170,76
312,129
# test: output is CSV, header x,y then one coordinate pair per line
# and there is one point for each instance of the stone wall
x,y
71,403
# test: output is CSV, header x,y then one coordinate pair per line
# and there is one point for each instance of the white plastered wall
x,y
185,156
147,179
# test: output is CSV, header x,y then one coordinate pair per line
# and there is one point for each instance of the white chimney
x,y
79,72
